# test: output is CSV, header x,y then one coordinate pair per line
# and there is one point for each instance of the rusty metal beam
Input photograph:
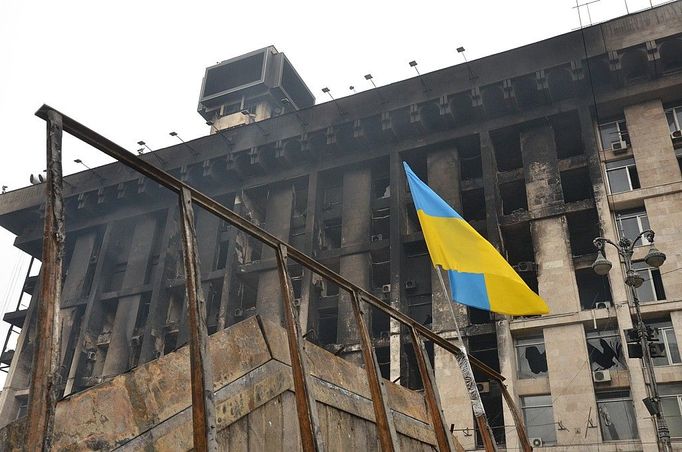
x,y
518,419
43,390
308,423
147,169
440,428
203,406
386,432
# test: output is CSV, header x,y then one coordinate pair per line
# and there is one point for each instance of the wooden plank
x,y
290,431
305,404
42,395
238,435
256,429
203,407
272,422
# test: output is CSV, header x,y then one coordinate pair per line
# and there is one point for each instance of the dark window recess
x,y
473,205
331,196
507,144
380,324
531,357
583,228
592,288
384,359
567,136
419,166
413,224
332,233
576,185
478,316
213,295
381,224
605,350
518,243
484,347
221,261
296,275
469,152
326,321
297,236
414,380
381,187
513,197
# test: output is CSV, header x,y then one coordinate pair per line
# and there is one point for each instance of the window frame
x,y
663,330
676,116
608,334
647,273
529,425
610,167
621,131
611,398
522,343
677,396
638,214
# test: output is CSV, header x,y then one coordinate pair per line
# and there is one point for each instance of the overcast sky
x,y
133,70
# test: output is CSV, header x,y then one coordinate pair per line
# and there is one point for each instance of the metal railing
x,y
41,409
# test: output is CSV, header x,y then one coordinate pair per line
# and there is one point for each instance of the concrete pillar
x,y
651,144
355,228
507,356
118,355
647,434
570,382
397,184
277,222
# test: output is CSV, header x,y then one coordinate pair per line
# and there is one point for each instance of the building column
x,y
645,427
355,228
118,354
570,380
278,223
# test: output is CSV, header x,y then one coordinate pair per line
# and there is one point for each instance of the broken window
x,y
671,404
652,288
616,415
531,357
622,175
583,227
614,135
469,152
381,187
594,290
332,196
381,224
567,135
605,350
331,234
473,205
514,197
576,185
631,223
538,415
507,145
666,335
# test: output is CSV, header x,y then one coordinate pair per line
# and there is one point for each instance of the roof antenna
x,y
472,76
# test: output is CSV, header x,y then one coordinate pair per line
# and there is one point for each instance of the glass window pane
x,y
617,420
609,133
531,359
629,227
605,353
671,411
539,419
618,180
673,351
634,177
658,284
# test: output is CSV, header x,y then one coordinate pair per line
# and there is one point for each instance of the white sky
x,y
132,70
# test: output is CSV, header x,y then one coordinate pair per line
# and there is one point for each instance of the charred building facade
x,y
541,148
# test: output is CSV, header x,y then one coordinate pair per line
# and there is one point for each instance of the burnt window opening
x,y
380,325
296,276
531,357
331,234
473,205
326,325
576,185
605,350
221,259
381,187
381,224
520,253
419,166
469,153
297,234
583,228
332,197
514,198
417,282
678,153
384,359
328,288
247,248
507,144
594,290
671,54
567,135
380,265
634,64
213,296
484,347
413,225
478,316
411,377
242,300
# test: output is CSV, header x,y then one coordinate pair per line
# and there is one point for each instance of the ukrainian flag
x,y
479,276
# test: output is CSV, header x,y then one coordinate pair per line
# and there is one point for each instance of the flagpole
x,y
469,379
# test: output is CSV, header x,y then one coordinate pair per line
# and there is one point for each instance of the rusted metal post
x,y
388,436
443,437
203,406
518,420
43,391
308,423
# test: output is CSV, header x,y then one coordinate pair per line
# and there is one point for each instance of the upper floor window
x,y
631,223
531,357
622,175
671,401
667,337
674,116
538,415
605,350
616,415
652,288
614,135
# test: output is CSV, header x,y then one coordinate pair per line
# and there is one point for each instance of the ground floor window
x,y
538,415
616,416
671,401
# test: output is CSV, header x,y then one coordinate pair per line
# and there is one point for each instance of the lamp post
x,y
633,280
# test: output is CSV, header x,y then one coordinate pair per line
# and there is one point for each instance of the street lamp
x,y
633,280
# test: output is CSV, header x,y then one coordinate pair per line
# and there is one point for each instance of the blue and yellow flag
x,y
479,276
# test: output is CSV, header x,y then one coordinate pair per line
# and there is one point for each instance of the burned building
x,y
541,148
